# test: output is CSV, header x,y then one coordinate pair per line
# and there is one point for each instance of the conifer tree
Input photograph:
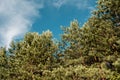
x,y
33,55
89,52
4,68
108,10
98,40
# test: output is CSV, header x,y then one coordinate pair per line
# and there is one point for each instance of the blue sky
x,y
20,16
52,17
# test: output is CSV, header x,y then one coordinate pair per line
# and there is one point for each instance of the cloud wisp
x,y
80,4
16,18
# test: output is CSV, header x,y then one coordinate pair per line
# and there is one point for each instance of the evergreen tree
x,y
4,68
89,52
108,10
33,55
96,44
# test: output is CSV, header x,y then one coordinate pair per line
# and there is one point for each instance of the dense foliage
x,y
88,52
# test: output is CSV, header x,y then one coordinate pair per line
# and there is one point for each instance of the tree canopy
x,y
88,52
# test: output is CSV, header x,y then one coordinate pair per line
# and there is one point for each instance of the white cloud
x,y
16,17
80,4
59,3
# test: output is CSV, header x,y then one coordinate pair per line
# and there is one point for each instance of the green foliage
x,y
33,55
3,64
78,73
109,10
88,52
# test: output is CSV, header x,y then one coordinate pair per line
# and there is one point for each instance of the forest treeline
x,y
88,52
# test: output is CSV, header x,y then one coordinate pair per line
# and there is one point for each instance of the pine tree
x,y
71,38
87,52
33,55
98,40
4,68
108,10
